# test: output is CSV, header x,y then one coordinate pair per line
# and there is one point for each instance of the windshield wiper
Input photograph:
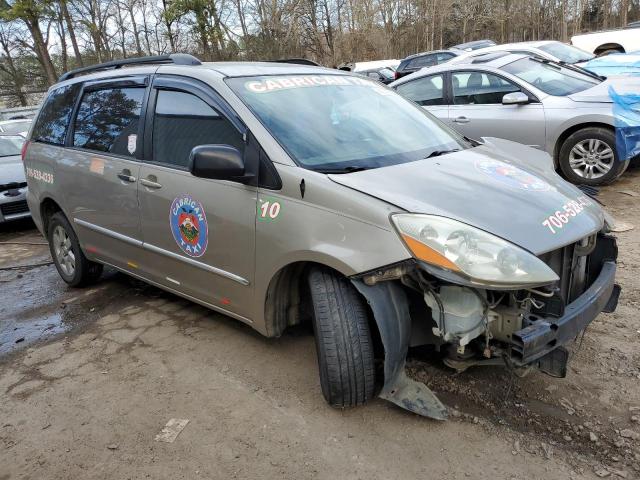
x,y
584,71
437,153
348,169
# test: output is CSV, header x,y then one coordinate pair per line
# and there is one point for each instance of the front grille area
x,y
578,265
571,263
12,186
14,208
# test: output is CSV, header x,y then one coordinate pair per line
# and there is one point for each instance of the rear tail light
x,y
396,75
23,152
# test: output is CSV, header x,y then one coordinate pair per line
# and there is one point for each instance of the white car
x,y
622,40
544,49
15,127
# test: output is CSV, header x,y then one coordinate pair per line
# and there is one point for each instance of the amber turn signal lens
x,y
429,255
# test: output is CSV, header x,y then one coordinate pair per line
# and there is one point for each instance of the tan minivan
x,y
276,193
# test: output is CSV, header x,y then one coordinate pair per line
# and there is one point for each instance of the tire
x,y
608,52
591,149
343,340
71,263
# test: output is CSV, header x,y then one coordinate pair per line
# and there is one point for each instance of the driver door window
x,y
479,88
183,121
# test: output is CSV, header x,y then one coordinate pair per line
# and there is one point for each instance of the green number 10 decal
x,y
268,210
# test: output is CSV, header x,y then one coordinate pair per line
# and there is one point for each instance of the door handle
x,y
150,184
125,176
461,120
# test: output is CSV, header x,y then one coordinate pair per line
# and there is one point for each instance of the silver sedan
x,y
539,103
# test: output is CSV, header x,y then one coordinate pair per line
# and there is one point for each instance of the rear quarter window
x,y
108,119
53,121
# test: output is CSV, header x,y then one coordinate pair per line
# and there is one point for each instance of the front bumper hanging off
x,y
540,343
546,334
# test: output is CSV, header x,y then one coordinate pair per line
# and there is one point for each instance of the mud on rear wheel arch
x,y
571,130
48,207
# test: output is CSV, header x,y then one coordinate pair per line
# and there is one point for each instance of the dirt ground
x,y
89,377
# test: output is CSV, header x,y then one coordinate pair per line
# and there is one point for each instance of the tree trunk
x,y
41,50
169,23
72,32
136,35
13,72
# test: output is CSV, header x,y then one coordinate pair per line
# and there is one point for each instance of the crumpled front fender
x,y
390,308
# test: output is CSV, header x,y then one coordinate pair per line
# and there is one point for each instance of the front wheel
x,y
343,339
74,268
589,157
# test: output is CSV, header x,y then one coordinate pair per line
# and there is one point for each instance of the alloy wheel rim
x,y
63,251
591,158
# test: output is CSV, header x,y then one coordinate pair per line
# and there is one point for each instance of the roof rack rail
x,y
175,58
296,61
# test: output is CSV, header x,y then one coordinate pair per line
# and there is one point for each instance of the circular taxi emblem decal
x,y
512,176
189,225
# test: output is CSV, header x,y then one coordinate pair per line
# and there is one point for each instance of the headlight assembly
x,y
461,252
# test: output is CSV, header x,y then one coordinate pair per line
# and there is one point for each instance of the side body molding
x,y
391,312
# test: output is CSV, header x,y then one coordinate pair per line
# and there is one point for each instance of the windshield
x,y
566,53
551,78
332,122
10,145
16,127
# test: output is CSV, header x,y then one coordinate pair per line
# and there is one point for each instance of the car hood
x,y
501,187
600,93
11,170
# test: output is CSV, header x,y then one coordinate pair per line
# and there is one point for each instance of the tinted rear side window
x,y
183,121
53,121
108,119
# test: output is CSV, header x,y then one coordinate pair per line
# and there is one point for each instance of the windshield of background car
x,y
551,78
566,53
328,122
10,146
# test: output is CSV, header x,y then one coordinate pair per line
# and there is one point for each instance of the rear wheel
x,y
589,157
74,268
343,339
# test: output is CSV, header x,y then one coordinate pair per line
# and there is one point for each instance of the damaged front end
x,y
524,328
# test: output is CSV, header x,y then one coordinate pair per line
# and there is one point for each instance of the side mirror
x,y
218,162
515,98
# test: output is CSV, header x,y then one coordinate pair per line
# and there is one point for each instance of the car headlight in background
x,y
470,253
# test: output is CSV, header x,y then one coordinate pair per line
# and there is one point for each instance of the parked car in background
x,y
15,127
546,49
13,185
415,62
621,40
475,45
359,67
384,75
531,101
615,64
